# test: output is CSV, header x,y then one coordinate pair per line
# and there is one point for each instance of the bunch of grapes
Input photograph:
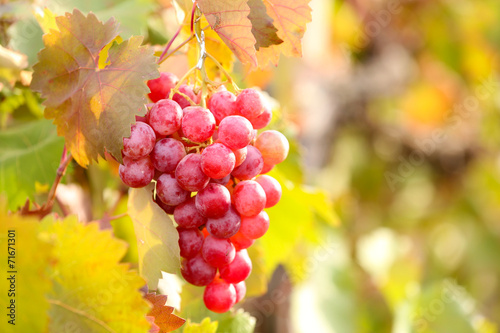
x,y
209,165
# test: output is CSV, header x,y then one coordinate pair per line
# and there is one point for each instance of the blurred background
x,y
390,219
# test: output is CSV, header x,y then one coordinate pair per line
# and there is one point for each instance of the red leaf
x,y
161,316
262,25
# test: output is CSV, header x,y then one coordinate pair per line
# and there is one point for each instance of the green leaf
x,y
93,291
206,326
93,107
29,153
262,25
157,238
31,280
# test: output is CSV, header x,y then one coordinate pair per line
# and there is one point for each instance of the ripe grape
x,y
225,226
273,145
217,252
241,290
250,103
249,198
219,296
197,271
189,174
272,188
169,191
167,154
187,216
239,269
213,201
198,124
160,87
188,91
141,141
217,161
241,241
256,226
190,241
136,173
222,181
262,120
222,104
166,208
251,166
165,117
235,132
266,168
240,156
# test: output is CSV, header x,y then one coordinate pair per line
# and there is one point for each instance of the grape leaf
x,y
92,107
157,238
93,291
162,314
31,282
290,18
262,25
206,326
229,18
29,153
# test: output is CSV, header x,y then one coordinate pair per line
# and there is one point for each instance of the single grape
x,y
235,132
239,269
160,87
165,117
273,145
249,198
225,226
217,161
254,227
189,174
141,141
197,271
250,103
187,216
166,208
136,173
167,154
213,201
222,181
198,124
240,156
272,188
241,241
190,241
188,91
262,120
169,191
251,166
241,290
219,296
217,252
266,168
222,104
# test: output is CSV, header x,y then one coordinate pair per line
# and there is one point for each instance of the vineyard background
x,y
389,220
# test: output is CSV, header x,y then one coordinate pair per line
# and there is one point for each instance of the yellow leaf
x,y
46,19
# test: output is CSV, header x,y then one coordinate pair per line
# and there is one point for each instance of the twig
x,y
63,165
169,44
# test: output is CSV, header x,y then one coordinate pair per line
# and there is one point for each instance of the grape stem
x,y
223,70
184,78
160,60
66,158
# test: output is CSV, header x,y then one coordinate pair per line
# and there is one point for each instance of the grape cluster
x,y
209,165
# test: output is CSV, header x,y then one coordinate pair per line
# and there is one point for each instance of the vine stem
x,y
170,42
66,158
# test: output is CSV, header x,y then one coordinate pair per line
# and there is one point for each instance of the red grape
x,y
239,269
197,271
219,296
272,188
251,166
188,91
136,173
273,145
169,191
141,141
160,87
217,161
217,252
241,290
166,208
249,198
213,201
189,174
222,181
235,132
167,153
198,124
262,120
256,226
225,226
165,117
190,241
240,155
187,216
241,241
250,103
222,104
